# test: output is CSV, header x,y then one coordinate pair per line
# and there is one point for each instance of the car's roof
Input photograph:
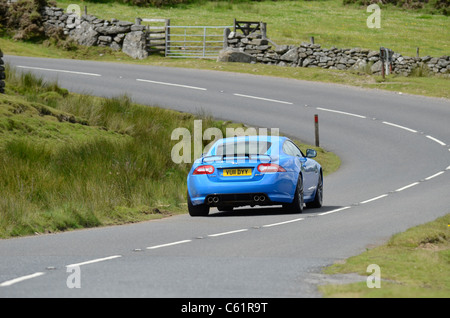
x,y
253,138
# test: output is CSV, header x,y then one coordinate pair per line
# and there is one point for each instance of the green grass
x,y
289,22
71,161
413,264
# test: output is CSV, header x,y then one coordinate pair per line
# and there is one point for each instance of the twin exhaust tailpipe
x,y
213,199
261,198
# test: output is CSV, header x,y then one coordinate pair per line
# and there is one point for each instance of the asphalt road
x,y
395,174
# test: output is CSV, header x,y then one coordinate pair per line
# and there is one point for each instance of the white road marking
x,y
406,187
171,84
340,112
20,279
448,168
398,126
373,199
436,140
59,71
265,99
334,211
168,244
95,261
434,175
226,233
280,223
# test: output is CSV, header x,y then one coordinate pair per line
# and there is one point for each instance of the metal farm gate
x,y
194,41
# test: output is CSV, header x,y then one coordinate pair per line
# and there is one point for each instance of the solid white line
x,y
265,99
171,84
398,126
339,112
230,232
60,71
168,244
436,140
285,222
94,261
408,186
337,210
448,168
373,199
20,279
434,175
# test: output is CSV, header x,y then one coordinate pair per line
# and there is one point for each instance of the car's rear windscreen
x,y
242,148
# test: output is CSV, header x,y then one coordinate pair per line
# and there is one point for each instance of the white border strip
x,y
171,84
54,70
20,279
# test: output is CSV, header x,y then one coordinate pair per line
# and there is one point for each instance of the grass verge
x,y
413,264
71,161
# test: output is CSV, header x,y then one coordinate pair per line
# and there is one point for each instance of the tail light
x,y
270,167
204,170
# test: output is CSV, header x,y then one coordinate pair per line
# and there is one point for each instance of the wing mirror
x,y
311,153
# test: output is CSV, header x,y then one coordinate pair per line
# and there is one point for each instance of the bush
x,y
23,18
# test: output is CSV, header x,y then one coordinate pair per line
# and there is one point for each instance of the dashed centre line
x,y
171,84
265,99
20,279
340,112
55,70
94,261
399,126
168,244
436,140
407,187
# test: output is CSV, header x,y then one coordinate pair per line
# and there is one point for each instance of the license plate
x,y
237,172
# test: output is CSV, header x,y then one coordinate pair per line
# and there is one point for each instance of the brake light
x,y
204,170
270,167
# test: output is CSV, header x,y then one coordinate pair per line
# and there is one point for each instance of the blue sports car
x,y
254,170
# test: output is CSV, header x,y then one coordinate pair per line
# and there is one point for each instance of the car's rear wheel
x,y
318,198
197,210
297,204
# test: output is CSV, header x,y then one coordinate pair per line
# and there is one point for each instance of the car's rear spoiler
x,y
225,156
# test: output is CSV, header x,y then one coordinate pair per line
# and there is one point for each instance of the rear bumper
x,y
277,188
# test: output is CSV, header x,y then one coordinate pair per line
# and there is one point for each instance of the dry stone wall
x,y
313,55
89,30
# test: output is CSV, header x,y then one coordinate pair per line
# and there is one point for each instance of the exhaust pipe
x,y
262,198
213,199
256,198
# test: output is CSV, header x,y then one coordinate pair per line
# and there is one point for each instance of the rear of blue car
x,y
240,171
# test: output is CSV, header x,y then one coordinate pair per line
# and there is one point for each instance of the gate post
x,y
167,49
